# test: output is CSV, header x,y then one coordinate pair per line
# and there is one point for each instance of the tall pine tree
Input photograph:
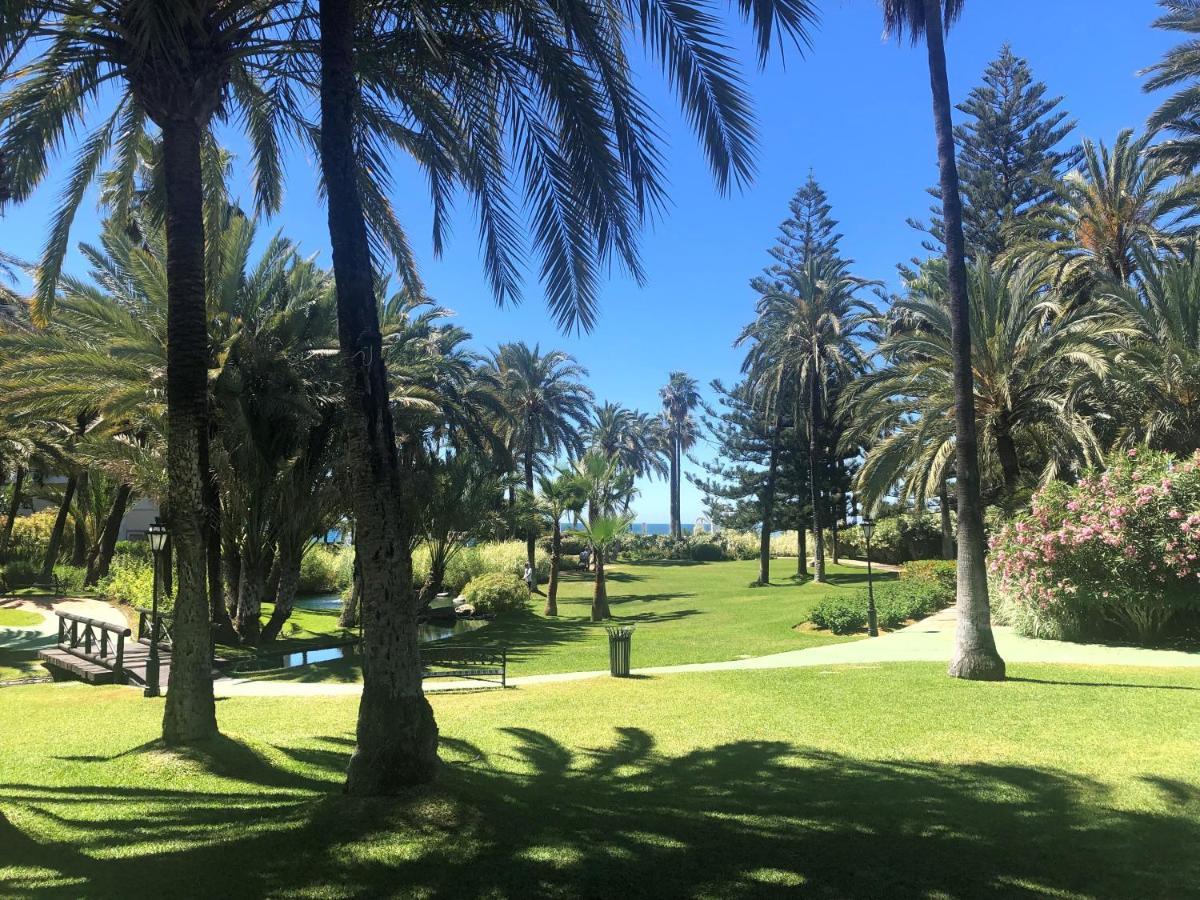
x,y
1010,153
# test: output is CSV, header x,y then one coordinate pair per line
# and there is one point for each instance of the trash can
x,y
619,639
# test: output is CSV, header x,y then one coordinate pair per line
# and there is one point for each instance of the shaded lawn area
x,y
685,612
891,781
16,664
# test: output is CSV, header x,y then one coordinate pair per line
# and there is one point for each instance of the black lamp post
x,y
158,541
868,528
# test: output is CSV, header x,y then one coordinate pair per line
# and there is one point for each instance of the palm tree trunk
x,y
835,545
1010,464
801,553
60,525
14,505
190,712
397,735
768,511
79,533
232,574
252,587
600,610
531,534
947,532
218,614
676,524
349,615
975,655
288,564
814,414
102,556
555,562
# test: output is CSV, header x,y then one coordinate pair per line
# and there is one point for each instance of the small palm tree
x,y
558,496
608,487
603,531
679,397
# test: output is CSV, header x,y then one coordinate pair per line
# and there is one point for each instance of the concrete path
x,y
930,640
45,632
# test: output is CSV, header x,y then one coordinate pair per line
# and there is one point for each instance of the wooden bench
x,y
474,663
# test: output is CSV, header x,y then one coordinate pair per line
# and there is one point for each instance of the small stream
x,y
425,634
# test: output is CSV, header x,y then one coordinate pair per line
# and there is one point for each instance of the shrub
x,y
71,578
1116,555
496,592
480,559
706,551
897,539
133,550
322,569
20,573
938,576
736,544
896,602
131,581
31,534
840,613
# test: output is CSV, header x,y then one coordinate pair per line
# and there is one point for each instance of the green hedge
x,y
897,539
925,587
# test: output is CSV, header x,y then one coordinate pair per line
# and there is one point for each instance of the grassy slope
x,y
887,781
685,613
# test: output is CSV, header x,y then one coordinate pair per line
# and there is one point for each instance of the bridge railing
x,y
94,640
165,624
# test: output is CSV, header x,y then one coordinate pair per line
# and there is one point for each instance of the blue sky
x,y
855,110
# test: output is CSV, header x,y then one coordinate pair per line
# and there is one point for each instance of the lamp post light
x,y
158,541
868,528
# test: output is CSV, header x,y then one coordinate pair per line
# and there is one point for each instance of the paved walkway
x,y
930,640
45,633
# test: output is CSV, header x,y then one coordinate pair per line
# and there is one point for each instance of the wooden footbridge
x,y
100,652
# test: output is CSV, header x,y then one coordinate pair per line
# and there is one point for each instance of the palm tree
x,y
806,338
679,397
178,65
1035,361
548,407
635,438
975,655
1156,380
608,487
562,494
1122,201
455,86
1179,114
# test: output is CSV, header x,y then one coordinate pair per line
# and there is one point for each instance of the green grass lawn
x,y
18,618
889,781
685,612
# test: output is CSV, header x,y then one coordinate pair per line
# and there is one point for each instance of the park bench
x,y
475,663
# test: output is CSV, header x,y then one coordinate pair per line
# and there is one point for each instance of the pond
x,y
425,634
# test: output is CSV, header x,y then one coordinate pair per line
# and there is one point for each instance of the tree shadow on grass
x,y
1106,684
536,817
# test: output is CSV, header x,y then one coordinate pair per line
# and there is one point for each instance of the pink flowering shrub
x,y
1115,556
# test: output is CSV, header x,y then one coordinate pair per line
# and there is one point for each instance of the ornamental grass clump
x,y
1115,556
